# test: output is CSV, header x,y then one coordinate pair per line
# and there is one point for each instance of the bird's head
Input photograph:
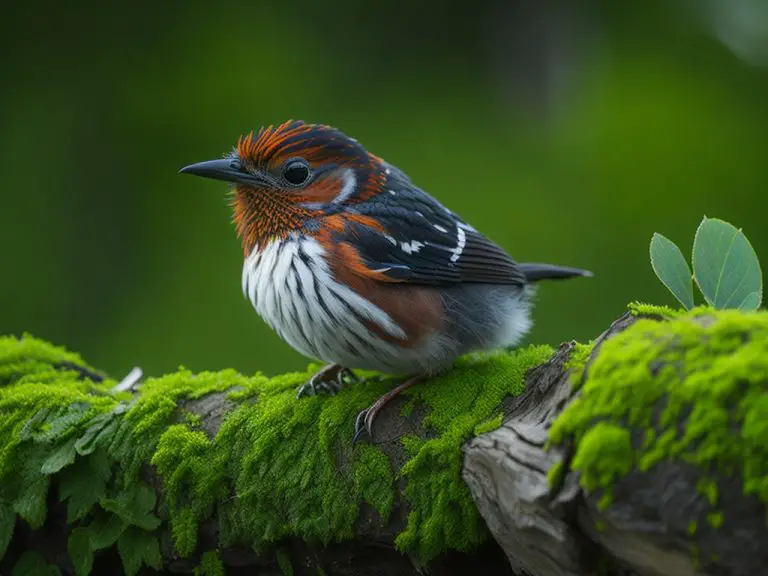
x,y
287,177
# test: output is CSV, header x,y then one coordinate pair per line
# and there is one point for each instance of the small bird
x,y
354,265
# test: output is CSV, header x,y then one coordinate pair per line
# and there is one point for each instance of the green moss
x,y
277,467
29,359
210,565
489,425
709,373
412,444
555,474
577,361
284,562
373,479
280,456
135,441
443,514
642,309
708,488
603,455
715,519
192,481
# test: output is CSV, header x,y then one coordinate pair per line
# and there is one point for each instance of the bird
x,y
355,266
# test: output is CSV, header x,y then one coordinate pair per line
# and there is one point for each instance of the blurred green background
x,y
567,131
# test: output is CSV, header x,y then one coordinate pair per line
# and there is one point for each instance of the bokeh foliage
x,y
106,248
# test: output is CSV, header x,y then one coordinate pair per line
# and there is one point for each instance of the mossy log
x,y
643,452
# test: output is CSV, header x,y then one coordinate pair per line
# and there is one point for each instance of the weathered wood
x,y
506,471
645,530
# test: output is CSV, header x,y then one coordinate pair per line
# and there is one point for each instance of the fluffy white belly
x,y
292,288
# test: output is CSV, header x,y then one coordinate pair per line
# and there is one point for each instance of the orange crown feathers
x,y
270,141
316,143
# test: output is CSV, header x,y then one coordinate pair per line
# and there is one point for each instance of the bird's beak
x,y
227,169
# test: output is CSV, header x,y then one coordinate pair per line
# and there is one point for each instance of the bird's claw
x,y
364,423
329,380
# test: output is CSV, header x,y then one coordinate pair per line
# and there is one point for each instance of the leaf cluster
x,y
56,434
725,267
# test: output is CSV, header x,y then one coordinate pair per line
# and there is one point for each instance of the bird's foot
x,y
328,380
364,421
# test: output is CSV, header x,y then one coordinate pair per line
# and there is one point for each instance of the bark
x,y
562,532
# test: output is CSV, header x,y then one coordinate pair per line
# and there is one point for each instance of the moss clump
x,y
135,440
604,455
284,562
373,479
708,488
443,514
29,359
210,565
280,457
577,361
181,455
555,475
489,425
642,309
711,374
276,467
715,519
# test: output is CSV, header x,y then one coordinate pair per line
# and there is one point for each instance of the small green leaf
x,y
143,520
79,548
725,265
63,456
105,530
84,483
751,302
63,422
7,524
31,503
88,442
670,266
31,426
136,547
31,563
134,506
142,496
210,565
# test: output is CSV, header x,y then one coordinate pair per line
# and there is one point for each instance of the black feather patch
x,y
425,243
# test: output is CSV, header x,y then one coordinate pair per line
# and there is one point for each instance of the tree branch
x,y
644,453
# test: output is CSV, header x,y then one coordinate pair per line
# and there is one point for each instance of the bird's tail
x,y
535,272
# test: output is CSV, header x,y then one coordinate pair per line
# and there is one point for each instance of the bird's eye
x,y
296,172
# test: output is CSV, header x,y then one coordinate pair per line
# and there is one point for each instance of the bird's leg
x,y
365,418
329,380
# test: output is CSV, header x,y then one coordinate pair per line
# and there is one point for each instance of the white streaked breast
x,y
292,288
